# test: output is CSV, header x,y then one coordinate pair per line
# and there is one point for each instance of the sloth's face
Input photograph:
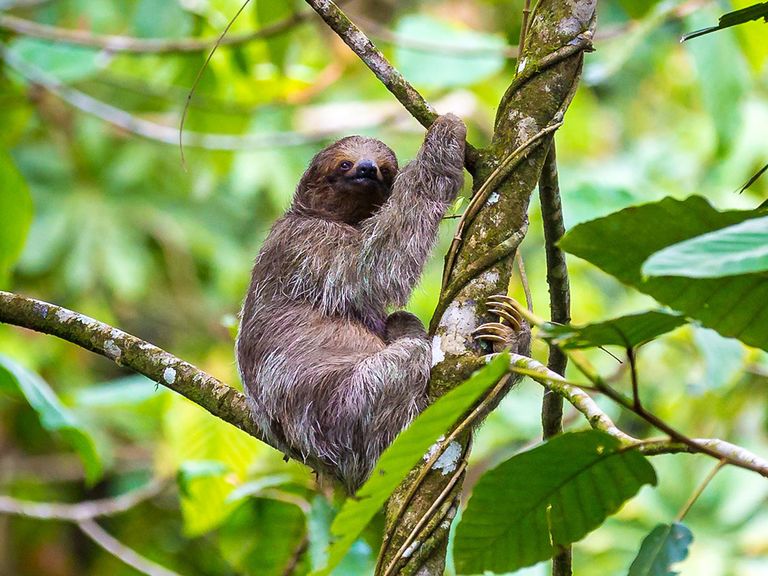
x,y
348,181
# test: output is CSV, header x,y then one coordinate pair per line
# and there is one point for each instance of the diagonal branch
x,y
387,74
361,45
131,352
599,420
120,551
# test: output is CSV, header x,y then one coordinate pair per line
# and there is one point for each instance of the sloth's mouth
x,y
365,180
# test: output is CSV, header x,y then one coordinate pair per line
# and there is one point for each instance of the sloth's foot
x,y
511,332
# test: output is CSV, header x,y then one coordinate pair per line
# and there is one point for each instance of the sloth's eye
x,y
385,172
346,165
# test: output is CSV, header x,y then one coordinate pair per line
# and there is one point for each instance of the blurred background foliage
x,y
98,214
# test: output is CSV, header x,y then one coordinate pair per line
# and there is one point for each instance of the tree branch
x,y
140,46
719,449
534,103
559,312
130,352
557,280
86,510
121,551
390,77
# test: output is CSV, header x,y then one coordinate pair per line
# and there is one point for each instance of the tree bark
x,y
547,75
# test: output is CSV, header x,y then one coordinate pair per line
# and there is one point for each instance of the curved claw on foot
x,y
511,324
506,308
494,332
505,313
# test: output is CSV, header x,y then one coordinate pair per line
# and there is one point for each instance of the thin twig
x,y
524,25
86,510
445,492
719,449
139,46
122,552
699,490
293,561
524,280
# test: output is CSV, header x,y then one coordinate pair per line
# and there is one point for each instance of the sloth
x,y
331,377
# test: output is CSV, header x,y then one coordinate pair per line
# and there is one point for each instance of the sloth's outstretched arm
x,y
397,240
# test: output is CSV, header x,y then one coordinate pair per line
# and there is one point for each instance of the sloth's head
x,y
348,181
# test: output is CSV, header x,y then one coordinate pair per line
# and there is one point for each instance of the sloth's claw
x,y
505,313
505,331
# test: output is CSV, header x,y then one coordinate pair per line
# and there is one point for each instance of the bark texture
x,y
506,174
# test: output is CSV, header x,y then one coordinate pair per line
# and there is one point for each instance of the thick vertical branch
x,y
560,312
481,260
557,279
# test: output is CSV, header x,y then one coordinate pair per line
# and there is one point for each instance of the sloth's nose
x,y
367,169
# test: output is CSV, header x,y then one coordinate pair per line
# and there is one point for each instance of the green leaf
x,y
738,249
255,487
620,243
466,57
523,510
195,469
53,415
404,453
64,62
626,331
261,537
664,546
16,208
212,457
754,12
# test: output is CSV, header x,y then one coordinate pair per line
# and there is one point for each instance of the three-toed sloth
x,y
329,375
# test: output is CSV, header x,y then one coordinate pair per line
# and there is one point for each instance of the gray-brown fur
x,y
331,378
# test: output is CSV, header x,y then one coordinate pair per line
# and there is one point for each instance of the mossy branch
x,y
128,351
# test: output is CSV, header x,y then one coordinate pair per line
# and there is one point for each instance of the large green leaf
x,y
738,249
664,546
16,208
404,453
261,538
626,331
466,57
736,306
211,457
359,559
523,510
54,416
